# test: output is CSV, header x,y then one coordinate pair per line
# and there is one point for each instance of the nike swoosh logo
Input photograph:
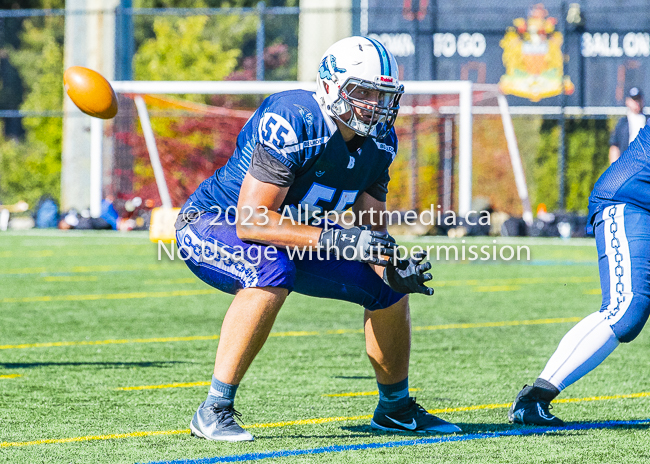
x,y
542,414
412,426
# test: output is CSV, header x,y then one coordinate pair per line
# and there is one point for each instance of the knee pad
x,y
628,326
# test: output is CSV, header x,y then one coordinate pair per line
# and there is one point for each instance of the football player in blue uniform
x,y
619,212
302,155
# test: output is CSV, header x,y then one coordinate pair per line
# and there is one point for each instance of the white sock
x,y
583,348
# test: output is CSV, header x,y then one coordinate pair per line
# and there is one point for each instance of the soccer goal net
x,y
169,136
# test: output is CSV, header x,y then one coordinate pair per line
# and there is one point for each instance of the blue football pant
x,y
623,243
218,257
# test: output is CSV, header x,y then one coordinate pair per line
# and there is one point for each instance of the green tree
x,y
32,168
180,51
587,159
189,48
545,167
586,148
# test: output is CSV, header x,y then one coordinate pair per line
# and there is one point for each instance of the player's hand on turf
x,y
359,244
409,275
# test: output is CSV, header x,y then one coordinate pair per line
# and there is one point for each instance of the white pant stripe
x,y
230,260
618,256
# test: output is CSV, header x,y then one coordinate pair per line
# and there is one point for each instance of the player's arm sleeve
x,y
281,133
379,189
266,168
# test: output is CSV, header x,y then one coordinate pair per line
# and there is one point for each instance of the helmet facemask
x,y
372,107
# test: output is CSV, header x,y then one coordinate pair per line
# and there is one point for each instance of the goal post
x,y
136,89
464,91
462,99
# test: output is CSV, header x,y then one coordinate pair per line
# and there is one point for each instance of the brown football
x,y
90,92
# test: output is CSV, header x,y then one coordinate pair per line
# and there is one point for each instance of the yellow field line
x,y
318,420
81,269
470,325
315,421
169,385
109,296
31,254
206,383
475,325
293,334
114,436
186,280
323,420
515,281
70,278
9,376
372,393
497,288
603,398
438,283
111,342
503,285
344,331
135,251
471,408
24,270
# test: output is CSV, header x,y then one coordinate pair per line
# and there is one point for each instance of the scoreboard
x,y
605,45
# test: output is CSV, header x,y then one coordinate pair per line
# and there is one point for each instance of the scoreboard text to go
x,y
465,45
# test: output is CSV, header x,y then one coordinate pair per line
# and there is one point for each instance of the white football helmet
x,y
357,83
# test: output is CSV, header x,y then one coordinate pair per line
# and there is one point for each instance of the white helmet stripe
x,y
360,62
383,57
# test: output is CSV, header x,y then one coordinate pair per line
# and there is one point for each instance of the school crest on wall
x,y
532,56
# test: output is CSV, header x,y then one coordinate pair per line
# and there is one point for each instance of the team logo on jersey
x,y
320,173
306,115
324,70
351,162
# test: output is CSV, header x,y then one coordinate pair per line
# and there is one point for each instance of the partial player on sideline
x,y
619,211
327,151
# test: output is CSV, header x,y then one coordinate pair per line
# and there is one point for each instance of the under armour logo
x,y
351,163
345,237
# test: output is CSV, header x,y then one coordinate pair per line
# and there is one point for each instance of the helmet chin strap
x,y
359,127
341,107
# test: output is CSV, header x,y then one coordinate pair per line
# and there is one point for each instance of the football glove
x,y
358,244
408,275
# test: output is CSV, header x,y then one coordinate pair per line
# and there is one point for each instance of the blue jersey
x,y
627,180
293,128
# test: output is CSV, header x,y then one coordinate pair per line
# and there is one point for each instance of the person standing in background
x,y
628,127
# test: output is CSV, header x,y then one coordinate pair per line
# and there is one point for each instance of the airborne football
x,y
91,92
362,231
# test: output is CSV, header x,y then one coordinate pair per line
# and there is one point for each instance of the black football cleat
x,y
529,409
411,418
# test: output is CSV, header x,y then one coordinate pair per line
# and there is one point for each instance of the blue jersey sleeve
x,y
388,145
282,133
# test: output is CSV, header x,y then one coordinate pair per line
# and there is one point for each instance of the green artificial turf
x,y
68,391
